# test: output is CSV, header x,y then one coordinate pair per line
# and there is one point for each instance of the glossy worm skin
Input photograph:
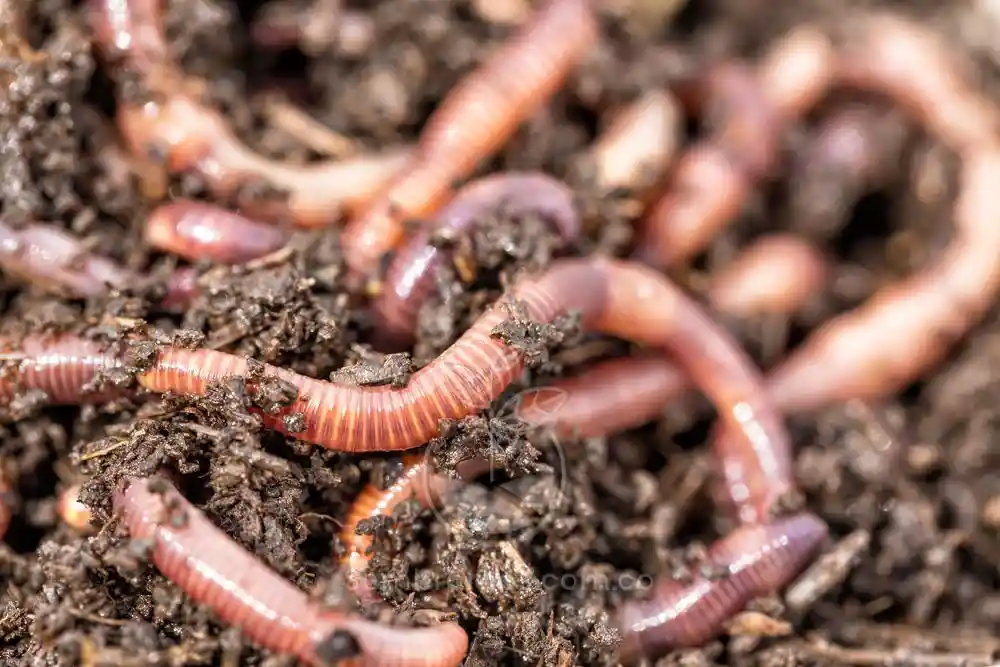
x,y
244,593
756,560
472,122
777,273
74,514
410,280
638,145
61,366
49,258
192,137
198,231
907,327
712,179
56,261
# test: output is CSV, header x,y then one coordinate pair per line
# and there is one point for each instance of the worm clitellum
x,y
191,136
475,119
411,276
244,593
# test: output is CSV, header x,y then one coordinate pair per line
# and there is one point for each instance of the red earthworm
x,y
215,571
755,560
419,482
191,136
909,326
411,276
62,366
638,144
713,179
778,273
199,231
472,122
613,297
852,152
74,514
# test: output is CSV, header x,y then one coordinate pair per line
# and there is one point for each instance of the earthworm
x,y
62,366
713,178
191,136
756,560
852,152
613,297
411,276
909,326
777,273
638,144
418,481
74,514
474,120
199,231
244,593
55,261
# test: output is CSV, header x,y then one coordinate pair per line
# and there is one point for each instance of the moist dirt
x,y
910,487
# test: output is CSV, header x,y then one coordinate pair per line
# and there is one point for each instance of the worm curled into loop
x,y
411,276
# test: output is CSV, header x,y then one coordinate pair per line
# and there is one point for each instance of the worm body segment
x,y
244,593
473,121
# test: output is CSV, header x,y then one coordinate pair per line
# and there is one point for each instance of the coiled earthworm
x,y
74,514
713,178
190,136
637,146
198,231
909,326
244,593
411,276
755,560
777,273
476,117
852,152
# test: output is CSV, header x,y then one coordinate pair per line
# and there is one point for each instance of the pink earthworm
x,y
754,560
55,261
411,276
638,145
190,136
197,231
472,122
244,593
777,273
908,327
613,297
712,179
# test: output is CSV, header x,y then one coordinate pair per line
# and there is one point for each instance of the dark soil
x,y
911,486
